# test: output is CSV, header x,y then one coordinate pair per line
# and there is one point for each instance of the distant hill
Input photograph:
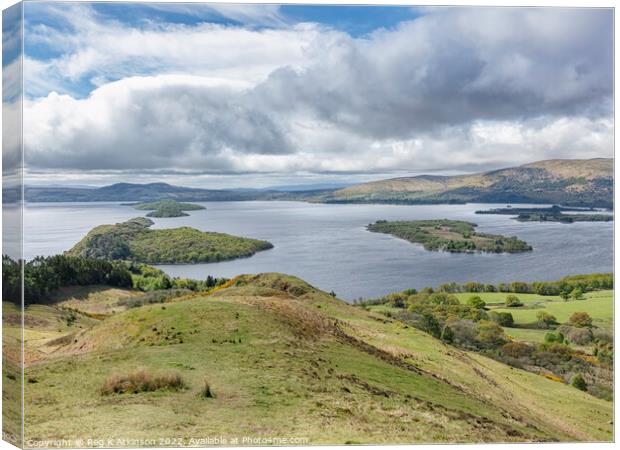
x,y
133,192
127,192
568,182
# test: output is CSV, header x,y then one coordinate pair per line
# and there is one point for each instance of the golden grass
x,y
141,381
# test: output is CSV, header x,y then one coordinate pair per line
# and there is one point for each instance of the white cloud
x,y
458,89
112,50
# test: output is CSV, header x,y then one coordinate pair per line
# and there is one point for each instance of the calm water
x,y
328,246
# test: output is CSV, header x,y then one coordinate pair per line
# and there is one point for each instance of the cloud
x,y
455,67
246,14
101,49
148,123
458,89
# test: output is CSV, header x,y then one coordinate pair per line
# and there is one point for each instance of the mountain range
x,y
569,182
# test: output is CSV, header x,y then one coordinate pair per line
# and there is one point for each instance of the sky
x,y
261,95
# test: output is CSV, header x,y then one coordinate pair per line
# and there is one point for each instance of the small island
x,y
166,208
449,235
552,214
135,241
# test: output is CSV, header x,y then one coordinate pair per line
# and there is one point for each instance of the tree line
x,y
565,286
45,274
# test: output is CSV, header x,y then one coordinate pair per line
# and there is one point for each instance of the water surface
x,y
328,245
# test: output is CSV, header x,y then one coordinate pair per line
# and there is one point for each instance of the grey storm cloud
x,y
454,68
392,97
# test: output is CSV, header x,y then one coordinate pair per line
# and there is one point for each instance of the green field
x,y
284,359
598,304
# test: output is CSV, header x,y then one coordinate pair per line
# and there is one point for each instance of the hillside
x,y
133,240
283,359
568,182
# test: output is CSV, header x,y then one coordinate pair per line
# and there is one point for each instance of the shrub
x,y
545,320
490,333
517,349
206,391
430,324
578,382
550,338
603,336
580,336
512,301
476,302
503,319
464,332
141,381
148,298
447,335
562,350
580,320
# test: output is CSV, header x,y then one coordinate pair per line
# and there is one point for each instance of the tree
x,y
447,335
396,300
489,288
476,302
442,298
519,287
512,301
578,382
581,320
577,294
565,295
430,325
545,320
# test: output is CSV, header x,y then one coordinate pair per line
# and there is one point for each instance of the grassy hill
x,y
283,359
568,182
134,240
